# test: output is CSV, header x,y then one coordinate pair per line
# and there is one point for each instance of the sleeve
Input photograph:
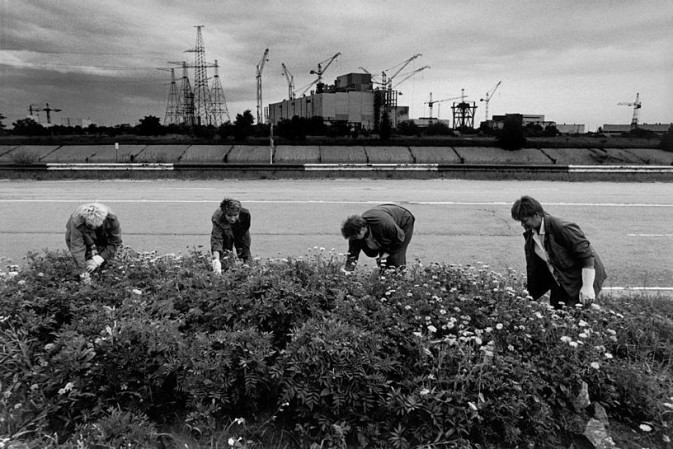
x,y
75,242
354,248
577,244
114,238
216,235
392,236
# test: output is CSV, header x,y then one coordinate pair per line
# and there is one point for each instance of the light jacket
x,y
569,251
81,240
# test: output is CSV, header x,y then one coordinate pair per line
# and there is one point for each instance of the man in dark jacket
x,y
559,257
383,232
231,228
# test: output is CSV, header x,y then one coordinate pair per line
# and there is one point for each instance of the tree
x,y
512,136
667,141
243,125
28,127
150,126
408,128
2,125
386,128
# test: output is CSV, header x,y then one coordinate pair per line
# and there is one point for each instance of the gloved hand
x,y
85,278
217,266
346,271
382,260
93,263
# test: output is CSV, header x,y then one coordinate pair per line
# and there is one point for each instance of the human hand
x,y
346,271
93,263
587,295
217,266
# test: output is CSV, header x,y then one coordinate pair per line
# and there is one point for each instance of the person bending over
x,y
231,229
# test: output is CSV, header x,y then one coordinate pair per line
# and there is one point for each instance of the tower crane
x,y
488,97
431,102
260,68
48,109
290,81
34,108
408,75
321,69
636,105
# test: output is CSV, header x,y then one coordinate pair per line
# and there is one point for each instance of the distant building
x,y
424,122
616,130
570,128
350,100
498,121
76,121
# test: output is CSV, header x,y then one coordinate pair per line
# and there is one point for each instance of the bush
x,y
450,356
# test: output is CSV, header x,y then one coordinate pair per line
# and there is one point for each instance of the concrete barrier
x,y
435,155
389,155
26,153
249,154
345,155
73,153
206,153
161,153
490,155
309,154
108,153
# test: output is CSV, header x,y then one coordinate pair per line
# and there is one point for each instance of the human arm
x,y
113,233
354,248
587,293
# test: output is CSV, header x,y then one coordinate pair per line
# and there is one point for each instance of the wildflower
x,y
442,311
573,344
410,294
583,323
239,421
499,326
417,334
473,406
135,291
583,335
432,328
231,441
510,348
407,307
668,405
645,428
424,391
538,314
595,365
22,282
608,355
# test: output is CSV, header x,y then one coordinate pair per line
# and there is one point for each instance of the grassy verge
x,y
159,352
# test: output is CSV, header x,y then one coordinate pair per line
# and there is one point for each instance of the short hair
x,y
352,226
230,206
93,214
526,206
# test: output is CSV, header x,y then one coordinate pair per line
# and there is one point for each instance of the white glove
x,y
217,266
85,278
346,272
587,294
93,263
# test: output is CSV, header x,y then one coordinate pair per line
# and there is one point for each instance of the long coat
x,y
81,240
225,236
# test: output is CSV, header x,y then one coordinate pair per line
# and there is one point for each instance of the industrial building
x,y
351,99
616,130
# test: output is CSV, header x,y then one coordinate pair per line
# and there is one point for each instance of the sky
x,y
572,61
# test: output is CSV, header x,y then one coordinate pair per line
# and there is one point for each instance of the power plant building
x,y
350,100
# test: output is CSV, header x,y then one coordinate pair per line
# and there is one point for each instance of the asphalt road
x,y
457,221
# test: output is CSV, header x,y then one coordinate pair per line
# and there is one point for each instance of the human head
x,y
92,214
528,211
231,209
352,227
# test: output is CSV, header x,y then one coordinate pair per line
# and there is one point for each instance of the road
x,y
457,221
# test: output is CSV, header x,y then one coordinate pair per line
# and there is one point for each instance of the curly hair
x,y
230,206
352,226
526,206
93,214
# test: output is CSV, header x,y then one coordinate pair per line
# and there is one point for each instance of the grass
x,y
292,353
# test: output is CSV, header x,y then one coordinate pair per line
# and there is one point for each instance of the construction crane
x,y
46,109
388,79
290,81
34,108
431,102
260,68
408,75
488,97
636,105
321,69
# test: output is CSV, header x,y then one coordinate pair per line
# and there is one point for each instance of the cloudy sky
x,y
570,60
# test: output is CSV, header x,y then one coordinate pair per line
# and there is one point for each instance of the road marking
x,y
424,203
650,235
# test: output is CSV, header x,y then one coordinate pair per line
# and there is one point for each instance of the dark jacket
x,y
389,225
225,236
81,240
568,250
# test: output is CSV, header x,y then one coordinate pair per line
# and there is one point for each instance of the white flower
x,y
566,339
424,391
432,328
595,365
538,314
608,355
473,406
573,344
583,323
645,428
22,282
231,441
135,291
499,326
418,334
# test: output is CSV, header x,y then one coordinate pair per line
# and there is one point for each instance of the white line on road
x,y
650,235
439,203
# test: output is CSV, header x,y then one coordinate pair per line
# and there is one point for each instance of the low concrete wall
x,y
206,153
389,155
248,154
435,155
309,154
490,155
346,155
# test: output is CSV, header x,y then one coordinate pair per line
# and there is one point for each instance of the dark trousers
x,y
241,242
398,258
558,295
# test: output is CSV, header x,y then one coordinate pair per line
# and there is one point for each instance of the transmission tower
x,y
201,93
172,116
185,98
219,104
